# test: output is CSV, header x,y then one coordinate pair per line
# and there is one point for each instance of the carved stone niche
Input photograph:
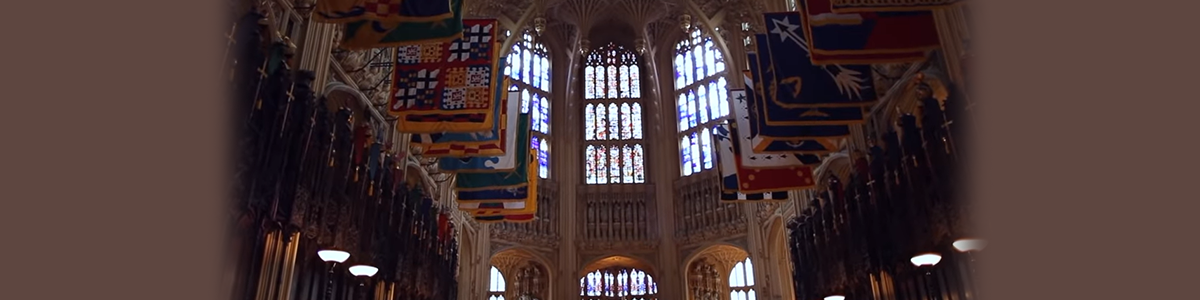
x,y
704,280
530,281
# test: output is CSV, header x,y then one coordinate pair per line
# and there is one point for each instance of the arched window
x,y
529,66
701,98
497,285
618,284
612,119
741,281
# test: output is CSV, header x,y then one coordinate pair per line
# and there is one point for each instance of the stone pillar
x,y
566,165
315,52
952,31
756,247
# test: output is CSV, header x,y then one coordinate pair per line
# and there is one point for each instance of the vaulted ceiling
x,y
618,21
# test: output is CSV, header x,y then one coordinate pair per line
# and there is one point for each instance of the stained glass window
x,y
741,281
543,159
601,163
613,116
618,283
496,285
691,107
637,120
545,120
696,157
702,99
589,82
601,123
639,171
635,85
614,122
545,74
589,122
685,150
614,164
702,102
590,164
626,122
528,64
627,169
706,148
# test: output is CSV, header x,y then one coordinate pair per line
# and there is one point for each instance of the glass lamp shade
x,y
336,256
835,297
928,259
969,245
363,270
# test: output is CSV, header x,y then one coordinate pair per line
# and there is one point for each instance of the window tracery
x,y
613,117
529,66
701,100
618,284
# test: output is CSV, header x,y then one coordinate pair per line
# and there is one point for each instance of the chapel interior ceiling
x,y
616,261
651,19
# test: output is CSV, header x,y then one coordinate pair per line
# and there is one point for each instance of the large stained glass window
x,y
741,281
529,67
701,100
496,285
612,117
618,284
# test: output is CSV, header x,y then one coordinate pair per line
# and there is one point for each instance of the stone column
x,y
566,165
315,52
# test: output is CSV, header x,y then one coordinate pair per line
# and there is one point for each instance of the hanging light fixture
x,y
640,45
583,46
333,256
685,23
835,297
539,25
363,270
969,245
927,259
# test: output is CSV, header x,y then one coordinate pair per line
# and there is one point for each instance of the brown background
x,y
114,141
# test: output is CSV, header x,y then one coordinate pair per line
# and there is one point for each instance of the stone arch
x,y
337,94
836,164
608,261
778,251
905,101
510,261
723,256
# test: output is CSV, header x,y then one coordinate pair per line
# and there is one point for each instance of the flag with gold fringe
x,y
447,87
826,126
487,143
506,211
345,11
753,159
367,34
501,194
739,182
781,134
787,145
864,37
487,164
850,6
500,179
795,84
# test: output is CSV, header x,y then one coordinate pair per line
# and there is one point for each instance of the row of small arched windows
x,y
634,284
